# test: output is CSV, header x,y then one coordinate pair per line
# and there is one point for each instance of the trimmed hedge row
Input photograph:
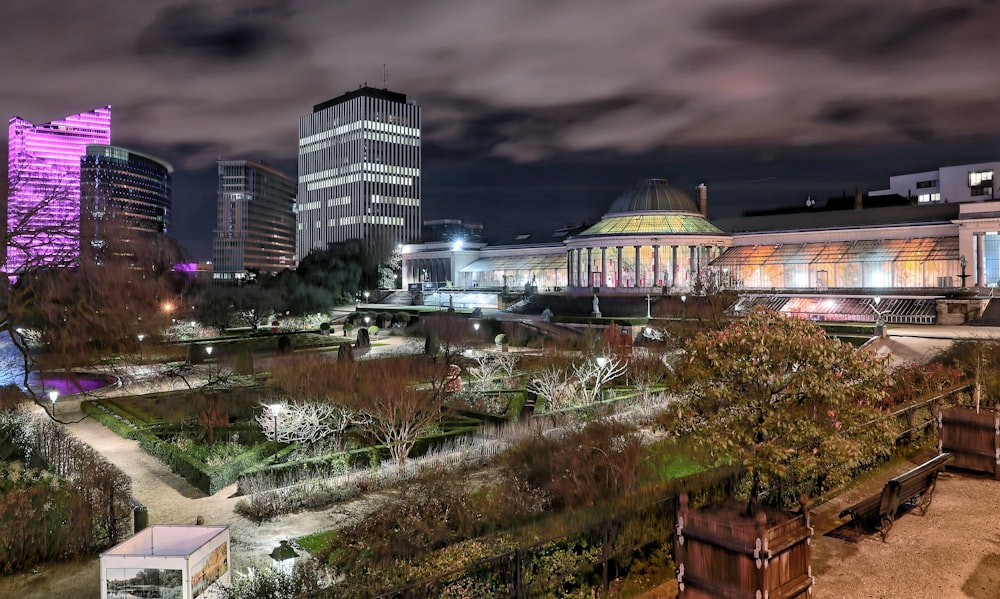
x,y
319,467
208,480
110,418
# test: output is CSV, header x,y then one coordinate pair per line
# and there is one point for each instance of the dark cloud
x,y
849,30
203,29
909,117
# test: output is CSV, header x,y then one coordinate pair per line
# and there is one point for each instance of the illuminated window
x,y
981,183
928,197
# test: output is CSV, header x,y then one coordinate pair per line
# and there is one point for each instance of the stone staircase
x,y
990,317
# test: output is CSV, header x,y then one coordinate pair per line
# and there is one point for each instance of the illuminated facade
x,y
125,189
655,239
948,184
653,236
359,172
255,221
43,208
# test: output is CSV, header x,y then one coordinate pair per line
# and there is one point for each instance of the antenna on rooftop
x,y
385,77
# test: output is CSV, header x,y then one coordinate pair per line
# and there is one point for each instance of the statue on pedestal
x,y
597,307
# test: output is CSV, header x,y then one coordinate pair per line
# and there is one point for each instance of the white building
x,y
359,172
168,561
949,184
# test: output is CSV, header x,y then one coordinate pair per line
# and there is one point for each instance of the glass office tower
x,y
359,172
255,224
125,191
43,169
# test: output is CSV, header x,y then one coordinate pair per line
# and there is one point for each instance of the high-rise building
x,y
359,172
43,169
255,224
123,192
451,229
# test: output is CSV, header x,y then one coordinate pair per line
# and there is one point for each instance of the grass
x,y
316,542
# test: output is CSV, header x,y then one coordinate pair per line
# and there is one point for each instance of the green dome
x,y
653,195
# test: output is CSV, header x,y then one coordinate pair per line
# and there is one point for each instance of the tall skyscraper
x,y
123,192
255,225
359,172
43,169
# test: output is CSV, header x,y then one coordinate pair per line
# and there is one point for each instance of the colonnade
x,y
624,266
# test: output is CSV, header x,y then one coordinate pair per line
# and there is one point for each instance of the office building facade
x,y
123,192
255,225
43,169
359,172
948,184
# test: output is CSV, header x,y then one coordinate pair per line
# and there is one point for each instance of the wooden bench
x,y
913,488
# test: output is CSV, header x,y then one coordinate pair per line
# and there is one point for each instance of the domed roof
x,y
653,195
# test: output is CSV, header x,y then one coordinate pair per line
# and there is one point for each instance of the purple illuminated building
x,y
43,169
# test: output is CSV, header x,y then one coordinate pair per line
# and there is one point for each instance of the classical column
x,y
618,252
980,259
579,267
604,265
637,268
569,268
656,265
673,266
590,267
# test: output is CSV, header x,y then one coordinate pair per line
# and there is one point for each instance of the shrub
x,y
500,339
373,331
403,318
383,319
324,328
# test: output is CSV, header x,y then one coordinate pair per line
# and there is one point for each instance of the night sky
x,y
535,112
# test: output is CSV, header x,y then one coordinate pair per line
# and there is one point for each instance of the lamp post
x,y
684,305
366,297
208,352
53,396
475,327
648,300
275,411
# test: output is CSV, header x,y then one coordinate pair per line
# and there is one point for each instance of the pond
x,y
78,382
12,373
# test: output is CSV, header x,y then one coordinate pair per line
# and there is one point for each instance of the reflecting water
x,y
12,373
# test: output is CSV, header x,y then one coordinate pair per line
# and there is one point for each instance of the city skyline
x,y
534,110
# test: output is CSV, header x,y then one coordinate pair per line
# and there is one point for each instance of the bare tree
x,y
403,400
307,422
596,372
65,308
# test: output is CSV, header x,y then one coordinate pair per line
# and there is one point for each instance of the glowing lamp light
x,y
140,336
475,326
602,362
457,246
208,350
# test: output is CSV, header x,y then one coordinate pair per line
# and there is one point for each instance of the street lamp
x,y
475,326
275,410
366,297
140,336
53,396
648,300
684,304
601,362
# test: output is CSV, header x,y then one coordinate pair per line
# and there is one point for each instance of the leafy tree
x,y
798,410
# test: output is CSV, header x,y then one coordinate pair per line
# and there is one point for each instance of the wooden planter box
x,y
974,439
723,554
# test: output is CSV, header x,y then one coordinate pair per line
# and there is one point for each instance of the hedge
x,y
119,424
208,480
